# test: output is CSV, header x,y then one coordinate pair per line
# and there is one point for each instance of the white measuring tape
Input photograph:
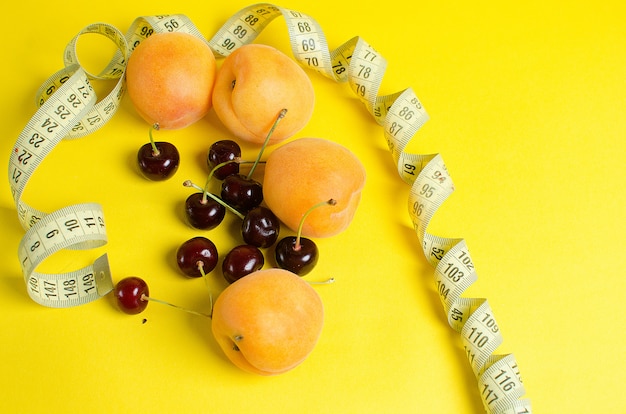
x,y
68,108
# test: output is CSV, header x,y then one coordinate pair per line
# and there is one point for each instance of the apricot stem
x,y
188,183
162,302
155,150
236,339
330,202
280,116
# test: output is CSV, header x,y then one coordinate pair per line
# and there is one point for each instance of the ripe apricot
x,y
170,79
307,171
268,322
253,85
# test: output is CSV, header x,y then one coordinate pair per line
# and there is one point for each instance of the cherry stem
x,y
323,282
155,150
280,116
205,190
236,160
330,202
162,302
221,164
206,282
188,183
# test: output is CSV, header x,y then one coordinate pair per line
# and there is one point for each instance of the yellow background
x,y
526,101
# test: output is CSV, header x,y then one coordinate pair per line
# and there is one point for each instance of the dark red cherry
x,y
299,260
296,253
241,261
158,165
221,152
202,212
129,294
241,192
260,227
195,253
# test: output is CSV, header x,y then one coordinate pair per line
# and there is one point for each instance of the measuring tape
x,y
68,108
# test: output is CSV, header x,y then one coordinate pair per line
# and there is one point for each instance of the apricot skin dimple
x,y
307,171
170,78
253,85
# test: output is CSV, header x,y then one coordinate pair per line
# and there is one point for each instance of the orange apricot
x,y
170,78
268,322
253,84
307,171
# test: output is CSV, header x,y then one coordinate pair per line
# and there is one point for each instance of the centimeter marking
x,y
62,290
68,109
50,124
75,227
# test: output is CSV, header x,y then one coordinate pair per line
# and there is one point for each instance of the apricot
x,y
170,78
268,322
307,171
253,85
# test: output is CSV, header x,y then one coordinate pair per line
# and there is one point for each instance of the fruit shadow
x,y
201,161
131,161
202,302
179,209
202,327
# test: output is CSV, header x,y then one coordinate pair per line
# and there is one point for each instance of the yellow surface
x,y
527,108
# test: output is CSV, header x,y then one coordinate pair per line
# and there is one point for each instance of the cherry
x,y
132,295
242,191
241,261
158,161
260,227
221,152
298,258
197,256
202,212
129,294
296,253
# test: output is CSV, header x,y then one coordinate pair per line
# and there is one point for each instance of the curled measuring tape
x,y
69,108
